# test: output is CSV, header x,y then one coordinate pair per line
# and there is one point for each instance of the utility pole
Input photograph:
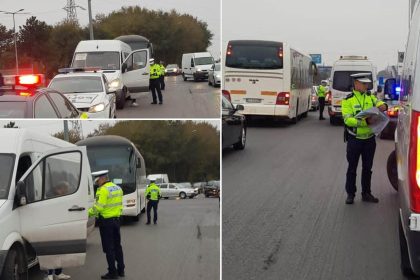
x,y
66,131
90,19
15,35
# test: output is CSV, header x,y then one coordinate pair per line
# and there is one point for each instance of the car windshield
x,y
343,81
172,66
217,67
203,60
119,161
77,84
254,56
6,172
102,60
12,109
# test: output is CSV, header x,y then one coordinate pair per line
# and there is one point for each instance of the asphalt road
x,y
284,215
181,99
184,245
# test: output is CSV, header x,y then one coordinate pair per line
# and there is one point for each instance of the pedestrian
x,y
321,93
56,274
359,136
155,82
162,75
152,195
107,209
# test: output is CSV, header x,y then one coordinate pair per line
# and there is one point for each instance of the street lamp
x,y
90,19
14,33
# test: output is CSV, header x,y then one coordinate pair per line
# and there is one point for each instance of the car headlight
x,y
218,76
97,108
198,70
115,84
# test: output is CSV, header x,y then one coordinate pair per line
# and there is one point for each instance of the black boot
x,y
350,199
368,197
109,276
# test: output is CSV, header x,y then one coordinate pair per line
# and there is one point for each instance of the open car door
x,y
137,73
53,198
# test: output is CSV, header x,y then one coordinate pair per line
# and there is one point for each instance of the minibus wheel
x,y
14,266
391,170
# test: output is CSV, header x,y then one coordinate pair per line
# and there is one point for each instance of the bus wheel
x,y
296,118
14,266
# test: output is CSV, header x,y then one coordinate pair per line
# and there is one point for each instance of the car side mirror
x,y
379,89
239,107
124,67
21,196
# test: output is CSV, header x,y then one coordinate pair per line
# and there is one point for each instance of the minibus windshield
x,y
6,173
102,60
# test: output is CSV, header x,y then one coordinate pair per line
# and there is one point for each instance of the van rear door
x,y
136,77
54,218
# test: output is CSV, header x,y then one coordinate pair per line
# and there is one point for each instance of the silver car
x,y
176,190
215,75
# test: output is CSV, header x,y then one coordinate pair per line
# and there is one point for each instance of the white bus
x,y
268,78
126,169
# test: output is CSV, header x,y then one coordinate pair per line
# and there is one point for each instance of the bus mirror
x,y
21,194
138,163
379,89
124,67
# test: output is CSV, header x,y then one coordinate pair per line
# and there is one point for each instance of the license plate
x,y
337,102
253,100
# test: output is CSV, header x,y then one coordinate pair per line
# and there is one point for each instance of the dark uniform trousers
x,y
111,243
155,87
162,82
321,101
152,204
355,149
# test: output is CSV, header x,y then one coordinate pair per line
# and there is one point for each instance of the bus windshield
x,y
102,60
119,161
254,57
343,81
6,172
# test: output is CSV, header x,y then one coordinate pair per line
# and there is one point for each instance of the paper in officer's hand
x,y
377,120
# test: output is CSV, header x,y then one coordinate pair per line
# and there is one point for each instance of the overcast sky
x,y
53,126
51,11
376,28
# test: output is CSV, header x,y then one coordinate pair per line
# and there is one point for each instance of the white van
x,y
341,82
45,195
160,178
127,72
196,65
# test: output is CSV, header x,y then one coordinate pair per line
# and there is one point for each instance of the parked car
x,y
233,125
404,163
215,75
172,69
212,189
21,98
176,190
88,91
314,99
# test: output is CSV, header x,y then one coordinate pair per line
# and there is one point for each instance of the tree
x,y
73,136
6,47
10,125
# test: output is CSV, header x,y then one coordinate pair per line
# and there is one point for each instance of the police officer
x,y
152,195
154,81
162,75
360,138
321,93
107,209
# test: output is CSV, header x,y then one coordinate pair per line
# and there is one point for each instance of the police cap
x,y
100,173
362,77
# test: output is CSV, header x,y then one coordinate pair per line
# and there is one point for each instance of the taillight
x,y
329,97
283,98
229,50
392,112
414,162
28,80
226,94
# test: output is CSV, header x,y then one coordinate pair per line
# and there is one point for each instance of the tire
x,y
121,101
135,218
405,259
296,118
182,195
333,121
185,78
242,141
391,170
166,197
15,266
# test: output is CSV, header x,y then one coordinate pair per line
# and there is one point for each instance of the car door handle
x,y
77,208
145,73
